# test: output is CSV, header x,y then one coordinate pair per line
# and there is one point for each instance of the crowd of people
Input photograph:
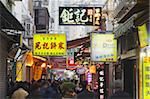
x,y
48,89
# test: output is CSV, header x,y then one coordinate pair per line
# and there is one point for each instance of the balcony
x,y
126,8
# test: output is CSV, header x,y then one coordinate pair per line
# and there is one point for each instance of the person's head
x,y
36,86
45,84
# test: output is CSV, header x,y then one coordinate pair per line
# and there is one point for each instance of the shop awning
x,y
78,42
7,20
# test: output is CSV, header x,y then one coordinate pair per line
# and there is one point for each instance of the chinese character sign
x,y
80,16
146,77
37,72
102,83
104,47
49,44
70,57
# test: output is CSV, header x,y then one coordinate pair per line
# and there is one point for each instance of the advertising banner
x,y
37,72
70,58
49,44
146,77
80,16
103,47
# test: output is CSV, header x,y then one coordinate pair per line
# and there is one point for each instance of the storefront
x,y
7,22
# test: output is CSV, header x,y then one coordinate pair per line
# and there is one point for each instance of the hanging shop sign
x,y
101,83
103,48
37,72
70,58
89,77
19,71
80,16
143,35
49,44
81,70
146,77
29,59
92,69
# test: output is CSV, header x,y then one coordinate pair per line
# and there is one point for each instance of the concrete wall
x,y
3,56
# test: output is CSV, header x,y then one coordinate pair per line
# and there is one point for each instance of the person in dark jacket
x,y
35,92
85,93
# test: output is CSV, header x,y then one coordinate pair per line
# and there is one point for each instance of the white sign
x,y
104,48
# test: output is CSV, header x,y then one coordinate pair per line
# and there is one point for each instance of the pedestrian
x,y
85,93
20,93
35,91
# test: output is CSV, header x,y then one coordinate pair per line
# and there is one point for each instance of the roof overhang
x,y
8,21
78,42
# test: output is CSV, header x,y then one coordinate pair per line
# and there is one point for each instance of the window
x,y
28,29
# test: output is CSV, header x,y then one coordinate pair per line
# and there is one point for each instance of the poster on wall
x,y
103,47
80,16
146,77
49,44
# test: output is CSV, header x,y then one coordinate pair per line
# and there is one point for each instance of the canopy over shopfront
x,y
7,20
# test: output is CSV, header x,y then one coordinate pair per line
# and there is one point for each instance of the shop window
x,y
123,43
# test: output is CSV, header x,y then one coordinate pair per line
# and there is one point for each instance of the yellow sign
x,y
49,44
19,71
37,72
146,77
104,48
93,69
143,35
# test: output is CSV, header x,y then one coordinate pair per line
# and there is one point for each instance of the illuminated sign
x,y
146,77
101,82
70,58
49,44
89,77
104,48
80,16
37,72
143,35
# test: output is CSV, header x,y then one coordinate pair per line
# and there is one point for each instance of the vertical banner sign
x,y
80,16
70,57
37,72
104,48
19,71
143,35
146,77
101,82
49,44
